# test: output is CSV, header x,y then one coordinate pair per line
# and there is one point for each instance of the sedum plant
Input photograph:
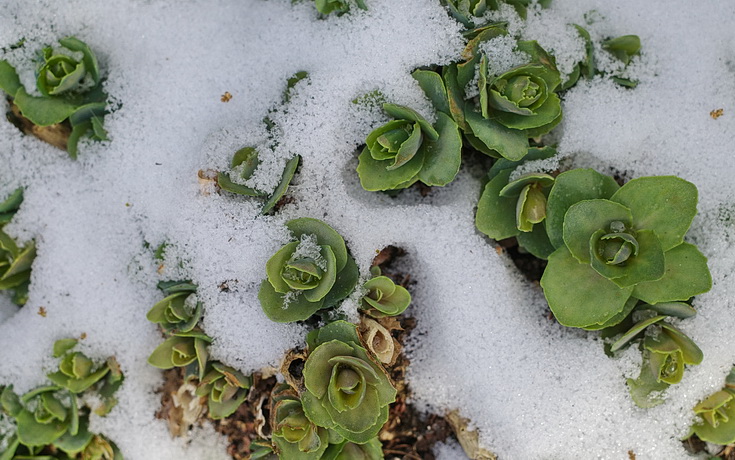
x,y
312,272
371,450
716,415
510,106
294,435
183,349
383,296
70,84
346,391
15,262
338,7
470,12
517,208
409,149
614,244
226,389
179,311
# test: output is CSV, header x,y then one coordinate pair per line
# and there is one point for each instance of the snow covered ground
x,y
534,389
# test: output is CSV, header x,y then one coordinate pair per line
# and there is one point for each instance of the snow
x,y
483,344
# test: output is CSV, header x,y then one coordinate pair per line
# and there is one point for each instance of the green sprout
x,y
517,208
70,83
346,391
310,273
623,48
294,435
619,243
179,311
183,349
470,12
716,413
408,148
383,297
226,389
510,107
15,262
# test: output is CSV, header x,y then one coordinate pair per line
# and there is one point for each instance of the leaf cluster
x,y
716,415
15,261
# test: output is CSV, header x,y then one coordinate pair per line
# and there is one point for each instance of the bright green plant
x,y
70,83
244,163
294,435
716,413
346,391
383,297
179,311
408,148
517,208
619,243
226,389
310,273
15,262
183,349
510,107
76,371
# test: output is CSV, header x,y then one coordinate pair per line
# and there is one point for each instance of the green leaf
x,y
686,275
276,309
623,47
691,352
646,389
374,175
665,204
509,143
648,265
327,282
400,112
723,433
585,218
43,111
578,295
569,188
89,59
675,309
9,80
455,95
76,133
496,214
433,86
33,433
274,267
325,236
536,242
344,285
442,158
286,177
61,346
534,153
633,332
340,330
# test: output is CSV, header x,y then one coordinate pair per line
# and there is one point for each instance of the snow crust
x,y
484,344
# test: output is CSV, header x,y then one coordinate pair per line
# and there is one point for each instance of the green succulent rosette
x,y
310,273
338,7
408,148
42,416
226,389
294,435
517,208
76,371
616,243
346,391
244,163
183,349
510,107
70,83
179,311
470,12
716,413
383,297
371,450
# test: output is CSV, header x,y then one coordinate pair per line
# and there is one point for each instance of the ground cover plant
x,y
342,229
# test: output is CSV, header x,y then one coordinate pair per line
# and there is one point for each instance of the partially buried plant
x,y
294,435
346,391
70,84
409,149
616,243
226,389
312,272
383,296
338,7
15,261
716,415
179,311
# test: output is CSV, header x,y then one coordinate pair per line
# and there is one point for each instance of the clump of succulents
x,y
716,415
54,417
70,84
383,297
312,272
409,148
15,262
613,244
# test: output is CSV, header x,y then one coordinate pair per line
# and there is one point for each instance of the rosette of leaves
x,y
294,435
616,243
183,349
338,7
179,311
71,92
312,272
511,106
244,163
383,296
517,208
15,262
225,387
666,351
371,450
408,148
716,413
346,391
469,12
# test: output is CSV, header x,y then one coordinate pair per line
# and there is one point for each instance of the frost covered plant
x,y
244,163
470,12
616,243
623,48
15,262
383,297
338,7
294,435
517,208
511,105
179,311
226,389
69,81
312,272
716,415
408,148
346,391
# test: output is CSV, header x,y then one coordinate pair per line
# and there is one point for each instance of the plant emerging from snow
x,y
716,414
384,297
15,262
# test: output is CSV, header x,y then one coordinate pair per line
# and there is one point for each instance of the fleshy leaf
x,y
585,218
686,275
